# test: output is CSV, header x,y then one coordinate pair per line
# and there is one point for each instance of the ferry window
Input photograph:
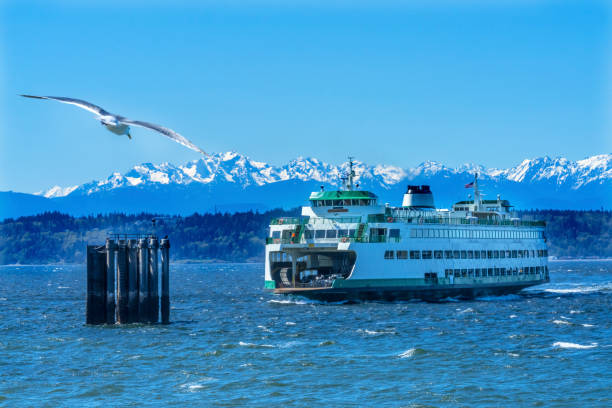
x,y
448,254
328,203
351,233
275,234
438,254
514,254
331,233
426,255
394,233
508,254
495,254
456,255
463,254
402,254
388,254
502,254
533,253
477,272
346,202
415,254
419,233
546,256
483,254
336,203
490,272
457,272
470,272
308,234
502,271
286,234
342,233
470,254
448,272
490,254
319,233
464,273
477,254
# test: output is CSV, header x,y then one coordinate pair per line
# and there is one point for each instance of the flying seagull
x,y
120,125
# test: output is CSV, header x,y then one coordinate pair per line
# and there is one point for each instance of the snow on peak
x,y
57,191
233,167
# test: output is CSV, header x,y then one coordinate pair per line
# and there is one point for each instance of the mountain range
x,y
234,182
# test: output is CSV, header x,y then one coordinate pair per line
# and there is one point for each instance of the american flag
x,y
469,185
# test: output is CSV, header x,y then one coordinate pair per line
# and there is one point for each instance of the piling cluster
x,y
123,281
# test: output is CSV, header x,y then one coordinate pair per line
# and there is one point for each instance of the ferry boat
x,y
348,246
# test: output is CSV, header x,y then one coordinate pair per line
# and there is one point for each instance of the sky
x,y
385,81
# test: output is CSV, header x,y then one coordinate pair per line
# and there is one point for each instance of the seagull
x,y
120,125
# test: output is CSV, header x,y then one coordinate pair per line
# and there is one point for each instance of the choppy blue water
x,y
232,344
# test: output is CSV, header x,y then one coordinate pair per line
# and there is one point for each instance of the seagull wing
x,y
77,102
164,131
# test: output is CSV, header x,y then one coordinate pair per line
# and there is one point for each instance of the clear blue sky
x,y
384,81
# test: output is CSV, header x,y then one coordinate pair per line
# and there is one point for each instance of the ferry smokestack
x,y
418,197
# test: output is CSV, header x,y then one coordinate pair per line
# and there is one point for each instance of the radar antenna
x,y
351,175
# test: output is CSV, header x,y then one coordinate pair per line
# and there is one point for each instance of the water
x,y
232,344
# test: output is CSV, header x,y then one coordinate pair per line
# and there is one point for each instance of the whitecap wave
x,y
376,332
567,345
198,385
587,325
557,321
415,351
253,345
408,353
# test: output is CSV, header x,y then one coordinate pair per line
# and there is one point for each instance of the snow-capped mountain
x,y
232,181
232,167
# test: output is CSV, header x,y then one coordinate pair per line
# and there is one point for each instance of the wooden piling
x,y
165,281
153,281
122,282
143,281
96,286
110,281
132,249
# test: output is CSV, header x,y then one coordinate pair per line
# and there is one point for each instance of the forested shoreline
x,y
54,237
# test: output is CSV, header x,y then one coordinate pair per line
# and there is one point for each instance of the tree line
x,y
54,237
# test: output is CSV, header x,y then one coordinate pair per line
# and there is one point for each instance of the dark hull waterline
x,y
426,292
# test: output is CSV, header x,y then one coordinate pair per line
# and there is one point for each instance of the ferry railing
x,y
126,237
454,221
289,220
